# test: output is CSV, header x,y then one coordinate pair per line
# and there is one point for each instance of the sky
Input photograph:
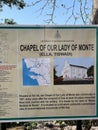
x,y
82,61
31,14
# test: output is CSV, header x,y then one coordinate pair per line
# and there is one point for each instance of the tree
x,y
71,10
20,4
85,10
9,21
55,72
74,10
95,12
90,71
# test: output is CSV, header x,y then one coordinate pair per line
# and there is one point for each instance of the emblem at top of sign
x,y
57,35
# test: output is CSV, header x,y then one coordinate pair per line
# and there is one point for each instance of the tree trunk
x,y
94,19
3,126
79,125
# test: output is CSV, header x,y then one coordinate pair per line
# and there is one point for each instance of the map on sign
x,y
36,71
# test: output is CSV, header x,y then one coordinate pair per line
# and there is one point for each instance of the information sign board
x,y
48,72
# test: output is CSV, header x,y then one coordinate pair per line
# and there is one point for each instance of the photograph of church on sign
x,y
73,71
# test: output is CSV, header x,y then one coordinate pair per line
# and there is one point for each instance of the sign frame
x,y
58,35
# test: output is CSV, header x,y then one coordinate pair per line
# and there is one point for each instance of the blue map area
x,y
27,80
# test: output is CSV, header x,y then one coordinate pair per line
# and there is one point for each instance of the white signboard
x,y
48,72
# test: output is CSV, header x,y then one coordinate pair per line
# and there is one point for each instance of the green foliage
x,y
62,125
90,71
30,125
20,4
85,122
9,21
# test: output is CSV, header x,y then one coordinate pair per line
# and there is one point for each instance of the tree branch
x,y
77,9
